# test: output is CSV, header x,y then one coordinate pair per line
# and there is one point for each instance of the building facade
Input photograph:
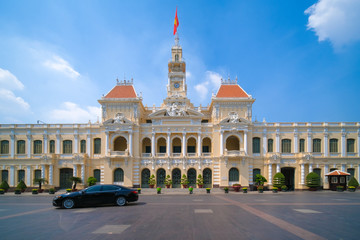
x,y
219,141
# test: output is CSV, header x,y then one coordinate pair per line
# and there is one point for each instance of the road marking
x,y
111,229
306,211
1,210
340,199
84,210
198,200
25,213
203,211
300,232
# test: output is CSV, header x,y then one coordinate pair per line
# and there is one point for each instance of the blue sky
x,y
300,60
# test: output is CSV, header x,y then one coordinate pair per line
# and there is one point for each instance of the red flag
x,y
176,22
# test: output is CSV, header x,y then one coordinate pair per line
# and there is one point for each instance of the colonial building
x,y
219,141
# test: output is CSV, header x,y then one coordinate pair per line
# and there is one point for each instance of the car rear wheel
x,y
121,201
68,203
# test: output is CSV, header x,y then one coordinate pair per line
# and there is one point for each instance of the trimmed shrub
x,y
260,180
278,180
312,180
353,182
22,186
91,181
4,185
152,180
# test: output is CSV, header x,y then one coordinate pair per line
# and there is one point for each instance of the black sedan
x,y
97,195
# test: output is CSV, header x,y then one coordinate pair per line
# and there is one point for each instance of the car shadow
x,y
132,204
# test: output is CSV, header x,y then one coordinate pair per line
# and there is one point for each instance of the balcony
x,y
192,154
206,154
146,155
161,155
119,153
235,153
176,155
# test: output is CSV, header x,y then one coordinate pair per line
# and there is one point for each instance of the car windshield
x,y
93,188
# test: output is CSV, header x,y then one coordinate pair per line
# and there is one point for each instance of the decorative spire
x,y
177,39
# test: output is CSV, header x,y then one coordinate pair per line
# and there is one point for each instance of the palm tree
x,y
40,181
75,180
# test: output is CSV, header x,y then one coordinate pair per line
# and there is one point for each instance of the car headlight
x,y
57,197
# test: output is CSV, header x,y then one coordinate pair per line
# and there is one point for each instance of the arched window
x,y
37,147
146,145
21,175
4,175
333,145
120,144
20,147
176,145
317,145
83,146
232,143
302,145
286,145
4,148
161,145
67,147
206,145
350,145
191,145
270,145
118,175
37,174
233,175
97,146
52,146
256,171
176,57
256,145
97,174
351,171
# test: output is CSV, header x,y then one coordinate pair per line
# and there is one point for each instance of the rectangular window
x,y
37,147
4,148
270,145
286,146
147,149
97,146
162,149
333,145
37,174
191,149
302,145
52,146
350,145
176,149
67,147
317,145
4,175
205,149
256,145
20,147
21,175
334,179
83,146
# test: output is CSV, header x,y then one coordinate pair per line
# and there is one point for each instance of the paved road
x,y
296,215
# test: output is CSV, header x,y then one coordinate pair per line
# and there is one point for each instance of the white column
x,y
29,150
76,145
302,170
12,145
358,144
245,142
277,168
168,144
326,171
51,174
296,141
270,175
28,176
199,144
88,144
58,143
277,140
264,143
251,175
106,143
343,147
75,170
326,143
130,144
43,171
184,144
45,142
309,141
310,167
83,173
222,143
153,144
12,176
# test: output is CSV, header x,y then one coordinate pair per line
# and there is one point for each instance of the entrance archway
x,y
145,176
160,178
191,174
207,173
289,174
176,178
65,175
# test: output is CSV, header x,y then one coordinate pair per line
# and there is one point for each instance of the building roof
x,y
231,91
337,173
122,91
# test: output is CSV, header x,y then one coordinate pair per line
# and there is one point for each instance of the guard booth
x,y
337,178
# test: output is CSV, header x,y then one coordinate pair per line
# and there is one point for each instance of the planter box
x,y
351,189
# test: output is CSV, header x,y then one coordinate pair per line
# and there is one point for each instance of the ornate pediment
x,y
176,111
234,118
118,120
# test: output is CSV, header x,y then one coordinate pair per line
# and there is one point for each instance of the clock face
x,y
176,85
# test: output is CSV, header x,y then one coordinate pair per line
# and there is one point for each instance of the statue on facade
x,y
234,117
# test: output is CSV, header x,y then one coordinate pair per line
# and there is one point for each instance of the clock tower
x,y
177,72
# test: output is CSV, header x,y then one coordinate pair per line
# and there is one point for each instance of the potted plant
x,y
4,185
158,190
226,189
91,181
312,181
191,190
168,181
208,190
152,181
34,191
22,186
260,189
340,188
200,181
2,191
51,191
18,191
40,181
236,187
244,189
274,189
68,190
259,181
284,188
278,180
75,180
184,181
353,184
139,190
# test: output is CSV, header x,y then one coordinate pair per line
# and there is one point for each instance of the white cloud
x,y
59,64
202,89
9,81
11,103
188,74
212,82
214,78
72,113
335,20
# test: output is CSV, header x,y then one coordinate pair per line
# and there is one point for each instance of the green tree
x,y
152,180
278,180
75,181
353,182
4,185
184,180
21,185
260,180
40,181
312,180
200,180
168,180
91,181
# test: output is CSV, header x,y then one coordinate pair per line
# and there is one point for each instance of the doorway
x,y
65,175
289,174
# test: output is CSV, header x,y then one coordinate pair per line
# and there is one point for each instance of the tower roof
x,y
122,90
231,91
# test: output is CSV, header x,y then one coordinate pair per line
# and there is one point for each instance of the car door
x,y
91,195
108,192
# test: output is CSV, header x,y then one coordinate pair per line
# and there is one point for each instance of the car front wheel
x,y
121,201
68,203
